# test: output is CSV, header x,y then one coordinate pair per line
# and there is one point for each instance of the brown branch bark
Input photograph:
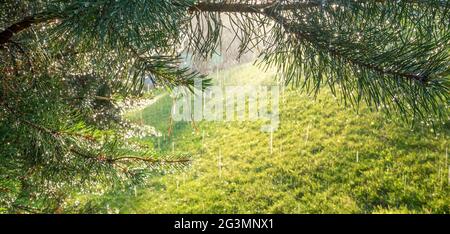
x,y
272,10
279,19
7,34
243,7
149,160
239,7
249,7
102,158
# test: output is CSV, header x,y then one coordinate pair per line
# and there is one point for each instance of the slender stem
x,y
335,52
268,9
149,159
249,7
109,160
8,33
25,23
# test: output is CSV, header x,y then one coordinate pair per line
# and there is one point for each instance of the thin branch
x,y
103,98
55,133
336,53
28,209
39,127
240,7
249,7
7,34
149,159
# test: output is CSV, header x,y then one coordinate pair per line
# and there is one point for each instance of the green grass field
x,y
324,159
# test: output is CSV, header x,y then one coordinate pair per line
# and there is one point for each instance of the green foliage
x,y
391,55
67,66
66,69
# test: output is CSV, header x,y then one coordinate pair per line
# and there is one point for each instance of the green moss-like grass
x,y
325,159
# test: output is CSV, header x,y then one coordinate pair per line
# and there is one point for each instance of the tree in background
x,y
65,64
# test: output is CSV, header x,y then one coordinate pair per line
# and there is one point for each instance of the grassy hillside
x,y
324,159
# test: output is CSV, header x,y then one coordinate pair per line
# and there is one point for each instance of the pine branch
x,y
239,7
251,7
148,160
55,133
25,208
7,34
273,11
335,52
